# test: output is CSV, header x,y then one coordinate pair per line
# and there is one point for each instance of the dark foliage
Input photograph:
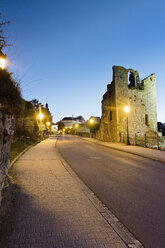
x,y
36,104
10,95
60,125
161,128
3,42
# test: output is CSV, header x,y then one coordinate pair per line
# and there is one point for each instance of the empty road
x,y
132,187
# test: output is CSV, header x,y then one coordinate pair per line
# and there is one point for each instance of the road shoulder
x,y
149,153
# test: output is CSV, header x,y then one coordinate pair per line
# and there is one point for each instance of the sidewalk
x,y
55,209
137,150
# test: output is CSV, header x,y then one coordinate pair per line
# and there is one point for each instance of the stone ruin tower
x,y
126,89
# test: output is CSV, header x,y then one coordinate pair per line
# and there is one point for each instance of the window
x,y
146,120
110,115
131,82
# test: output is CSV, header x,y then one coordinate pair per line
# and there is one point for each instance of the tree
x,y
10,94
36,104
60,125
3,42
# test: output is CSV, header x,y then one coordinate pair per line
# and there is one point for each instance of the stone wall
x,y
127,90
6,132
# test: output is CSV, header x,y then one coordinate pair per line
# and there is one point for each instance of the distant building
x,y
126,89
82,129
54,128
70,121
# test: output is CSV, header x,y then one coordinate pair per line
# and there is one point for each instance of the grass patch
x,y
18,146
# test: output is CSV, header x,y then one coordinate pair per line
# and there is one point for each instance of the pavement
x,y
154,154
53,207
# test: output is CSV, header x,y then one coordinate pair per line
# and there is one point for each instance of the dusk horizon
x,y
63,51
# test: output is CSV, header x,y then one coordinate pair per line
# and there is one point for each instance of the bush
x,y
10,95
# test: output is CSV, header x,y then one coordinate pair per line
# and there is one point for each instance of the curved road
x,y
132,187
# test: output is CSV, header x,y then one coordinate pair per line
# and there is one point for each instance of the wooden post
x,y
145,136
158,144
135,139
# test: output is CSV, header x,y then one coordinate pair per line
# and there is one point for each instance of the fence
x,y
150,141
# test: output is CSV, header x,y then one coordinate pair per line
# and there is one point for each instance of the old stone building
x,y
126,89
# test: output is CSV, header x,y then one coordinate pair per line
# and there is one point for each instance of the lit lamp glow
x,y
48,123
91,121
40,116
76,126
2,62
127,109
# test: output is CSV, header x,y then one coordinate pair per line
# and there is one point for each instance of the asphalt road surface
x,y
132,187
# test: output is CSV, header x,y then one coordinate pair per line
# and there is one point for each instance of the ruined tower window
x,y
110,115
131,80
146,120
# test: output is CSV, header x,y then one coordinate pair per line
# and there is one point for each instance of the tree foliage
x,y
3,42
60,125
10,94
36,104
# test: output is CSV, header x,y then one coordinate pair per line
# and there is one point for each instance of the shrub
x,y
10,95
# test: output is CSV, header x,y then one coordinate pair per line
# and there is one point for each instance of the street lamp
x,y
127,109
40,116
47,123
2,61
76,126
48,127
91,121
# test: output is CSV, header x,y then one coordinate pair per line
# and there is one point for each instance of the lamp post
x,y
127,109
76,126
48,126
41,116
3,61
70,129
91,121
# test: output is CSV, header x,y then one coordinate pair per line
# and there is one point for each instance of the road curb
x,y
121,150
125,235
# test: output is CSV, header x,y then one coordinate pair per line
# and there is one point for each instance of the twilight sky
x,y
63,50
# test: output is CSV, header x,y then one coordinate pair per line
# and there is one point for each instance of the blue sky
x,y
63,50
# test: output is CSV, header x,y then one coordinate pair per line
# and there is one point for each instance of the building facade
x,y
126,89
70,121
